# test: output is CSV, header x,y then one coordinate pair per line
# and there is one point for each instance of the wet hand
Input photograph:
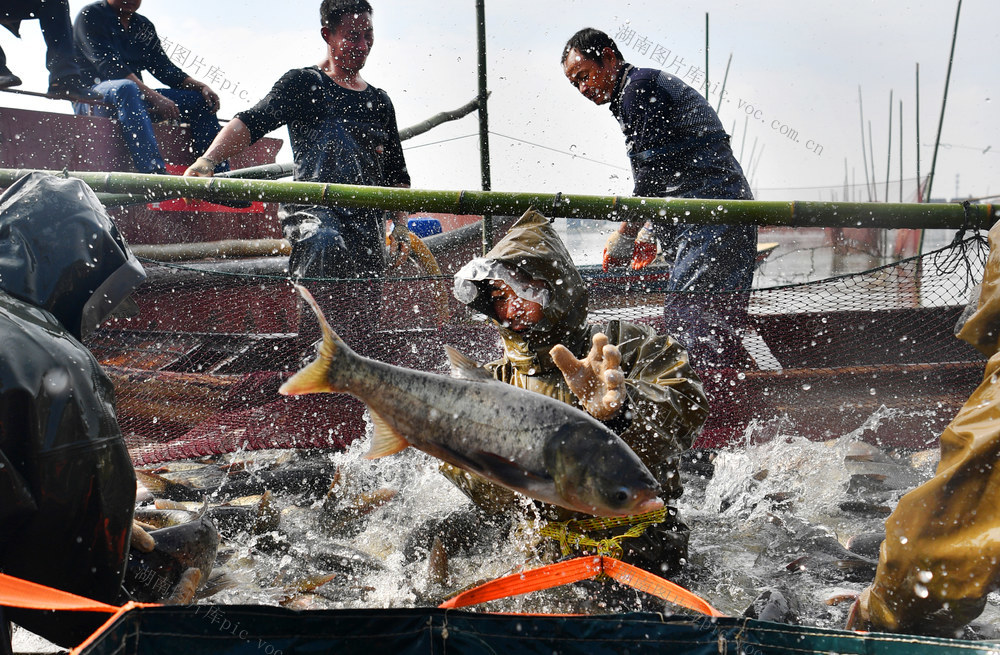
x,y
398,241
202,167
211,98
597,380
617,251
644,250
162,107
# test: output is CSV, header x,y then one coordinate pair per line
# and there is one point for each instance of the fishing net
x,y
197,370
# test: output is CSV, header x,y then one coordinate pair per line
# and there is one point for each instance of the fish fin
x,y
161,486
798,564
465,368
503,471
314,377
387,440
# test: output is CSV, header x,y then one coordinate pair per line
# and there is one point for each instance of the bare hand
x,y
161,106
597,380
211,98
202,167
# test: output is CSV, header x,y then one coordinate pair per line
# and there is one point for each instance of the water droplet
x,y
807,387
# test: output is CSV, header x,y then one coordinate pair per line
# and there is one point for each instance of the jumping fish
x,y
525,441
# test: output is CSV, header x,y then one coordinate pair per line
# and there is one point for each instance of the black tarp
x,y
262,630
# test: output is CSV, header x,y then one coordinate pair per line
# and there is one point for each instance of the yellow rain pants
x,y
941,555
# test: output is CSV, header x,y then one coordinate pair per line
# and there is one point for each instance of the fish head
x,y
595,472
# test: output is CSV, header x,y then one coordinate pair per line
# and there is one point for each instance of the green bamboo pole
x,y
693,211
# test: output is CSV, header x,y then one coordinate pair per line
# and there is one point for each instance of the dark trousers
x,y
708,291
57,30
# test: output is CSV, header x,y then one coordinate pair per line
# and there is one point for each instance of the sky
x,y
790,98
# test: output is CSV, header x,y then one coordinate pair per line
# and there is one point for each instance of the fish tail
x,y
315,377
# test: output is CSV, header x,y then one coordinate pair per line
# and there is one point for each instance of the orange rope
x,y
574,570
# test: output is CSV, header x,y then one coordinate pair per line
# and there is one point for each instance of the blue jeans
x,y
137,129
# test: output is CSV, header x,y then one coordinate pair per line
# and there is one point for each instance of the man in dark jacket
x,y
678,148
67,486
115,45
637,382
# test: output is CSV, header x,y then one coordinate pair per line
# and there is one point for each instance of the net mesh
x,y
197,371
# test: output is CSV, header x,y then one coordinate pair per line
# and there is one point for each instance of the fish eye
x,y
621,496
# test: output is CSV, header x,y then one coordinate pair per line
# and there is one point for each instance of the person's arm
x,y
231,140
666,404
278,107
93,41
210,96
154,59
396,175
159,105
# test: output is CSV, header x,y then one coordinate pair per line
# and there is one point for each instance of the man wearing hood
x,y
67,486
635,381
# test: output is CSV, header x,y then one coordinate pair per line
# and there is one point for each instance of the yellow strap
x,y
571,533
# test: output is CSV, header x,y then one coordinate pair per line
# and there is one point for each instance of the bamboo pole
x,y
871,151
864,155
439,118
484,124
916,123
694,211
900,150
722,91
944,101
888,156
177,252
706,56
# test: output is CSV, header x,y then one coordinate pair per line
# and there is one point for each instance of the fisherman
x,y
66,480
678,148
941,554
342,130
115,45
60,57
635,381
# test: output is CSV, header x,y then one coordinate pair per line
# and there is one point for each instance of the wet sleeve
x,y
156,60
646,118
982,329
282,105
395,164
666,402
941,554
93,40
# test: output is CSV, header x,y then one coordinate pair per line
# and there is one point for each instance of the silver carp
x,y
525,441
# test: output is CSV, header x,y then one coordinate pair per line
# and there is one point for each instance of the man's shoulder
x,y
93,10
655,77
